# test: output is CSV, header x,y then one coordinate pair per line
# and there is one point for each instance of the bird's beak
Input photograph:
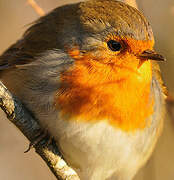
x,y
151,55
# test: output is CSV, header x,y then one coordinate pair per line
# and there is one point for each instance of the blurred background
x,y
14,164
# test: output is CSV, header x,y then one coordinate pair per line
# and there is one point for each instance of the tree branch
x,y
22,119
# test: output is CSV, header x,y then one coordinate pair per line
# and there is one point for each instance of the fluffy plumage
x,y
104,108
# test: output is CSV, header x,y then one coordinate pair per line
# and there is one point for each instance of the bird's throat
x,y
123,103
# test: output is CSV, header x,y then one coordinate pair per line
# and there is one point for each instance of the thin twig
x,y
170,106
132,3
36,7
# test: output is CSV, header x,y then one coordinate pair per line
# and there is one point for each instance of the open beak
x,y
151,55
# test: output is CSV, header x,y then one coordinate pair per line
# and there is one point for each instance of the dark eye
x,y
114,45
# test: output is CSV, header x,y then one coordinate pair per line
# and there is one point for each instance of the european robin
x,y
87,72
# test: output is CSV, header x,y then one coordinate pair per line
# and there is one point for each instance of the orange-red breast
x,y
87,72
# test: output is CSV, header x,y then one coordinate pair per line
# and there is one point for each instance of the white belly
x,y
99,151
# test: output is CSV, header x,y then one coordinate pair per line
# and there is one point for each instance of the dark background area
x,y
15,16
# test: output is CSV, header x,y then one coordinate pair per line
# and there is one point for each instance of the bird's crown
x,y
115,16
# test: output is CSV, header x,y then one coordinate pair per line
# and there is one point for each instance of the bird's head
x,y
111,41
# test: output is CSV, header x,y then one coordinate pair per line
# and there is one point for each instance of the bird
x,y
88,73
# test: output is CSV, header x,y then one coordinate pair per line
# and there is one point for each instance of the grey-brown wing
x,y
15,55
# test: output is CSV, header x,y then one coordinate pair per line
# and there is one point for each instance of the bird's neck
x,y
91,96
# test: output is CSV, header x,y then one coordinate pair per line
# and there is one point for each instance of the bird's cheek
x,y
132,67
145,71
127,63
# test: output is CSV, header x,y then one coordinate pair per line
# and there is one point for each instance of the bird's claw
x,y
41,136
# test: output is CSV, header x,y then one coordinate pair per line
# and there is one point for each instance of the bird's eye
x,y
114,45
